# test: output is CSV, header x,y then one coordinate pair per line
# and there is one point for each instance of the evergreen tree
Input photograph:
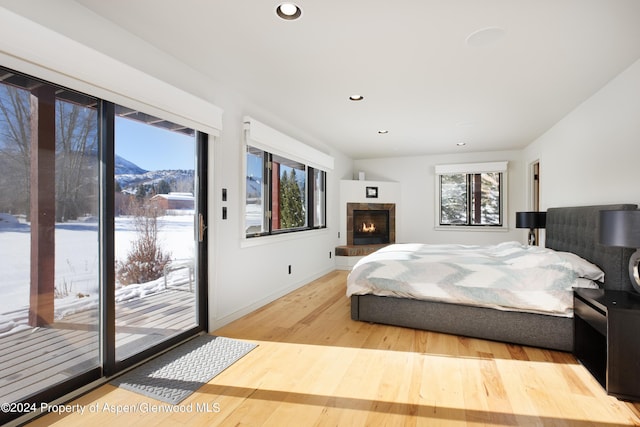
x,y
291,202
163,187
141,192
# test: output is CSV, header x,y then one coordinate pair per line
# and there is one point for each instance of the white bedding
x,y
507,276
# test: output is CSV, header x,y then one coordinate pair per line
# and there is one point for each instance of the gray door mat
x,y
175,375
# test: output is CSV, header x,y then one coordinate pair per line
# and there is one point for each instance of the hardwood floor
x,y
315,366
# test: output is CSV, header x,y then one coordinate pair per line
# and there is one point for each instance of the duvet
x,y
507,276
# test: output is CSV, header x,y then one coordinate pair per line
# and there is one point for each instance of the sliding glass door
x,y
101,252
49,237
155,237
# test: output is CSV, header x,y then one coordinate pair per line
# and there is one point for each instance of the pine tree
x,y
291,202
163,187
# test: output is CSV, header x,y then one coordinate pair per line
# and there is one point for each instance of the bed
x,y
572,229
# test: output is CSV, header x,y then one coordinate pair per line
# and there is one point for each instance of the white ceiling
x,y
409,58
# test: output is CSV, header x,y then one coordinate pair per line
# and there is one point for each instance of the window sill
x,y
248,242
502,229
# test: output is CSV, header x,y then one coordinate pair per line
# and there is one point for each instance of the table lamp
x,y
622,229
531,220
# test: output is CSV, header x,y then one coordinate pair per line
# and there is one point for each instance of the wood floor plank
x,y
35,358
314,366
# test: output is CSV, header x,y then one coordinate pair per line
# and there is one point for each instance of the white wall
x,y
416,213
247,275
240,278
592,155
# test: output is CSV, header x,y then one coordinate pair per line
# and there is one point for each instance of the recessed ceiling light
x,y
288,11
383,131
356,97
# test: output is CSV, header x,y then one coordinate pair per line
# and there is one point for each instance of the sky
x,y
153,148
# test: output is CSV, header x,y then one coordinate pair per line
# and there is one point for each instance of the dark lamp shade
x,y
620,228
531,219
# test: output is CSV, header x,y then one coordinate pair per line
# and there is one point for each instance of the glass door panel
x,y
49,237
155,238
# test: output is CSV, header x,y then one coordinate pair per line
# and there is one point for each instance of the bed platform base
x,y
530,329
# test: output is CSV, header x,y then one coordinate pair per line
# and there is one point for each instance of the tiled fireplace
x,y
369,227
371,223
367,219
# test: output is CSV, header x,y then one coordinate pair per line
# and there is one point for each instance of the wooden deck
x,y
38,358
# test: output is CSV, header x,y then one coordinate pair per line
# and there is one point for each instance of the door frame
x,y
111,365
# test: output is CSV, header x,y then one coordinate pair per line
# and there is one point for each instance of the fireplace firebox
x,y
370,227
381,215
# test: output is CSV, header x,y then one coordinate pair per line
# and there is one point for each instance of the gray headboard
x,y
575,229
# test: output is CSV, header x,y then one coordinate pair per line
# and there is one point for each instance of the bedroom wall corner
x,y
590,156
416,180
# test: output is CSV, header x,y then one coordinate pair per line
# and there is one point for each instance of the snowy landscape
x,y
77,254
158,162
77,270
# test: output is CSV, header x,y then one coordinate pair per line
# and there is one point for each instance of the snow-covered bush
x,y
146,259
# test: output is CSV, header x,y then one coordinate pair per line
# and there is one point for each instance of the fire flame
x,y
371,228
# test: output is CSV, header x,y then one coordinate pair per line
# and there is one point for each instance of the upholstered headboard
x,y
575,229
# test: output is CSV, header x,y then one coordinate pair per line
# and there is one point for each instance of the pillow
x,y
583,267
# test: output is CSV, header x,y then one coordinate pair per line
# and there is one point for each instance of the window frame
x,y
471,170
311,181
268,196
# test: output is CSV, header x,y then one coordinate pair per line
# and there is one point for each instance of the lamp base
x,y
532,237
634,276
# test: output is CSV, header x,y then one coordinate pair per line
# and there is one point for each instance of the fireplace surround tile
x,y
390,207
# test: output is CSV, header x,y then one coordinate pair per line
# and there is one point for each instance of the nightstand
x,y
607,339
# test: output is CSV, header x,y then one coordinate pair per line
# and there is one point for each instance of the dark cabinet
x,y
607,339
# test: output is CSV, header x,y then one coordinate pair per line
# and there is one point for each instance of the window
x,y
255,218
288,194
282,195
319,197
471,195
285,183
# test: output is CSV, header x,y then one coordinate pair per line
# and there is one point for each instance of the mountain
x,y
130,176
124,166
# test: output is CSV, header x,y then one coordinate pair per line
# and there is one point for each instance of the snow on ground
x,y
77,269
